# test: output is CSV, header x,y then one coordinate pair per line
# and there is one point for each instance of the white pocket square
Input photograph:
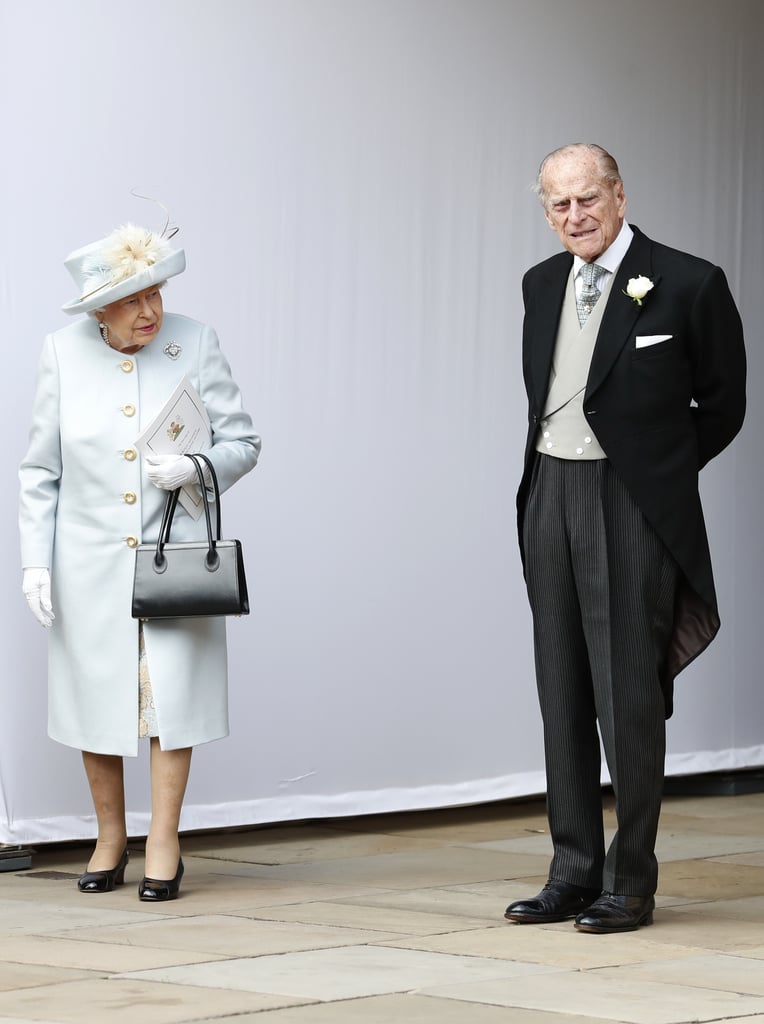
x,y
652,339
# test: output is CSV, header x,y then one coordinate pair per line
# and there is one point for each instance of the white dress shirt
x,y
610,260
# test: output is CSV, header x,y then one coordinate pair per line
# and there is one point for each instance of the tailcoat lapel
x,y
549,298
621,312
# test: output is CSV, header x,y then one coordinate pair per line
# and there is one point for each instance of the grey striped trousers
x,y
601,586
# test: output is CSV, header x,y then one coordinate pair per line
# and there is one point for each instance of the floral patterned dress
x,y
147,716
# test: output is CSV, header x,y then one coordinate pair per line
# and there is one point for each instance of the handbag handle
x,y
212,560
215,485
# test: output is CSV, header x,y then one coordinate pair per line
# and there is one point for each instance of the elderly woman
x,y
87,500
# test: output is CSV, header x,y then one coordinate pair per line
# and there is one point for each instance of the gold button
x,y
131,454
126,366
132,542
129,497
128,410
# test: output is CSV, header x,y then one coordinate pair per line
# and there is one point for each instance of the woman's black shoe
x,y
156,890
104,881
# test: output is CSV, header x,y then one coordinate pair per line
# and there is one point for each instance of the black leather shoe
x,y
104,881
156,890
614,913
557,901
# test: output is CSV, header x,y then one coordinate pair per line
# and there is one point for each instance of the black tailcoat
x,y
660,412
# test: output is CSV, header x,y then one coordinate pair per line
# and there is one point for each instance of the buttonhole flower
x,y
637,288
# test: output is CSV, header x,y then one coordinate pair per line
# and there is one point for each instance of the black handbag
x,y
193,578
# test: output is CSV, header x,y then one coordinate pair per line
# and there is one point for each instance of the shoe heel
x,y
648,918
119,874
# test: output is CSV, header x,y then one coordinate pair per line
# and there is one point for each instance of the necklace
x,y
129,351
104,329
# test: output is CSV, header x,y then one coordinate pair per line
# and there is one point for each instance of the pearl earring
x,y
104,329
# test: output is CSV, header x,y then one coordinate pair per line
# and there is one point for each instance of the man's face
x,y
585,210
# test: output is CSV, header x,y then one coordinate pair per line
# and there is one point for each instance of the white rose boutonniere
x,y
638,287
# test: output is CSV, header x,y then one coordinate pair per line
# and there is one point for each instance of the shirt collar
x,y
611,258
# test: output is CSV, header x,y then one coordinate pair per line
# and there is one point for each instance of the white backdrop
x,y
351,178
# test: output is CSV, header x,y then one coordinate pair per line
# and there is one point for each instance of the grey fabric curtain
x,y
351,179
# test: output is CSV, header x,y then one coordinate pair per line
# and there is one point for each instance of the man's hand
x,y
36,587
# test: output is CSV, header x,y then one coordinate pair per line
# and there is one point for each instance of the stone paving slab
x,y
445,866
710,879
231,936
460,824
406,1009
609,995
449,901
18,975
558,944
740,974
342,973
88,954
670,846
128,1001
298,846
352,915
37,917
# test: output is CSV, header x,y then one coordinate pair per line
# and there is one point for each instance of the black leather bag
x,y
193,578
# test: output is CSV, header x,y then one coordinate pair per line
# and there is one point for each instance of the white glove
x,y
36,587
170,471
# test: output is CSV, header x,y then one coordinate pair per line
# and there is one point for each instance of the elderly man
x,y
635,371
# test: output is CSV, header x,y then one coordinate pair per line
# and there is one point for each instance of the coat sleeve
x,y
719,369
235,445
40,470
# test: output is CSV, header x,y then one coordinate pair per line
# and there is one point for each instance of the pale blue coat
x,y
78,517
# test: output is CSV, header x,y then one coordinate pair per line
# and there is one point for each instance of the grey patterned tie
x,y
585,303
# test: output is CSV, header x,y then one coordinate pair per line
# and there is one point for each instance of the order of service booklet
x,y
181,425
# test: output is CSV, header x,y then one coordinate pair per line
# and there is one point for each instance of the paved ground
x,y
394,918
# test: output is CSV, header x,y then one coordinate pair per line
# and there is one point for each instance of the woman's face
x,y
135,321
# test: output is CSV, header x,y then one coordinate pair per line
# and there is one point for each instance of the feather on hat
x,y
128,260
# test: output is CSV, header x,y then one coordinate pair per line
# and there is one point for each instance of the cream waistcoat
x,y
564,432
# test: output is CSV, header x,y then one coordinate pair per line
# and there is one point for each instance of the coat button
x,y
130,454
129,498
128,410
126,366
132,542
588,440
579,451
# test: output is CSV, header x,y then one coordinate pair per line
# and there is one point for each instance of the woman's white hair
x,y
94,312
